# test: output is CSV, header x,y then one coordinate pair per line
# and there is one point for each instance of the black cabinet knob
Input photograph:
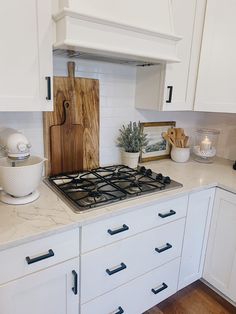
x,y
167,180
159,176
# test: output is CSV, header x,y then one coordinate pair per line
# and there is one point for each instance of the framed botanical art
x,y
158,147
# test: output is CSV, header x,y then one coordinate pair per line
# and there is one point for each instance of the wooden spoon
x,y
171,134
168,139
180,136
186,141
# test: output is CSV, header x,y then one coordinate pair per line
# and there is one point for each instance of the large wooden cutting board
x,y
71,131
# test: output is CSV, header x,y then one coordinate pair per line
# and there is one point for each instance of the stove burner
x,y
135,187
94,197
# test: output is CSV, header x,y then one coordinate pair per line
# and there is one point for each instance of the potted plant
x,y
132,140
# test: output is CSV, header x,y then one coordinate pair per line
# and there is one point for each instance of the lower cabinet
x,y
111,266
195,238
220,265
53,290
138,295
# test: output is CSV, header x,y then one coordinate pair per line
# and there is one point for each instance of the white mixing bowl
x,y
24,178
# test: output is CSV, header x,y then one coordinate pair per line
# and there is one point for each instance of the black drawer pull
x,y
75,288
116,270
163,249
171,212
169,100
119,311
39,258
156,291
122,229
49,96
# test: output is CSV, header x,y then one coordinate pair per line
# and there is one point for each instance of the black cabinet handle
x,y
39,258
116,270
75,288
119,311
171,212
122,229
156,291
49,96
169,100
163,249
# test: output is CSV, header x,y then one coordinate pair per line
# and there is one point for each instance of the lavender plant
x,y
131,138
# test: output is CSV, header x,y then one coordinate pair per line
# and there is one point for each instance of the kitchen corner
x,y
117,157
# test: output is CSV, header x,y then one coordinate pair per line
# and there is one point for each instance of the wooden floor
x,y
195,299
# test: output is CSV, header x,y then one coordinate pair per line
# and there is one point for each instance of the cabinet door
x,y
45,292
176,95
172,87
195,237
216,90
26,55
220,265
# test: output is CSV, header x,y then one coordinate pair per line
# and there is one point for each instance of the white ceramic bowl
x,y
179,154
24,178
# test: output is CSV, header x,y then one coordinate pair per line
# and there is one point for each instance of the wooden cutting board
x,y
71,131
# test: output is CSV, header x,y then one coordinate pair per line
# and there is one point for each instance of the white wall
x,y
117,86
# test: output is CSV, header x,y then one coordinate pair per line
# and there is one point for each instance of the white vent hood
x,y
127,30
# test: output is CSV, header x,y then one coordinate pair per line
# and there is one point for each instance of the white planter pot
x,y
179,154
130,159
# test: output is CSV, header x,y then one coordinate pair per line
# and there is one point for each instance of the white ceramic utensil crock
x,y
22,179
180,154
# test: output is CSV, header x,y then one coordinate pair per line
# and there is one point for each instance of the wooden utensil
x,y
179,137
186,139
171,134
66,143
83,97
168,139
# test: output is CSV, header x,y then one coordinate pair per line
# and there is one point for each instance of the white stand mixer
x,y
20,173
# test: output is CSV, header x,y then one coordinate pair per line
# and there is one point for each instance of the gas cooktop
x,y
105,185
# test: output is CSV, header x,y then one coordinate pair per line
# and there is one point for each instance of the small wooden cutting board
x,y
66,143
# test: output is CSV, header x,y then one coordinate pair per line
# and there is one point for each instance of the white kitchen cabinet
x,y
138,295
48,291
216,90
220,264
26,55
172,87
195,237
111,266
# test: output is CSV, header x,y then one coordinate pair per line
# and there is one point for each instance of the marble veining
x,y
49,214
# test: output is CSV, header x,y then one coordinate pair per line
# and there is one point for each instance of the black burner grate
x,y
109,184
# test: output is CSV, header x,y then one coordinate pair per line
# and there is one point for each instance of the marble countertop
x,y
49,214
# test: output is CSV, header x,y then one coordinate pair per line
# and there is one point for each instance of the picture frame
x,y
157,148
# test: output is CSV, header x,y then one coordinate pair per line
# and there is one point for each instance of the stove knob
x,y
149,172
167,180
142,169
159,176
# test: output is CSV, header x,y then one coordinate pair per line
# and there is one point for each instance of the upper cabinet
x,y
216,90
26,55
172,87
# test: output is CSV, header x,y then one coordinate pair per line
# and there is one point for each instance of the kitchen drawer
x,y
25,259
137,296
109,267
119,227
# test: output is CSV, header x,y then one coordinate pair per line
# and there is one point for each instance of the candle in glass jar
x,y
205,145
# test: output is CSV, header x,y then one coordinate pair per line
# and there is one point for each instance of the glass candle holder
x,y
205,143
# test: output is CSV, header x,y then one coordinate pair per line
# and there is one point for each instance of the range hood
x,y
121,31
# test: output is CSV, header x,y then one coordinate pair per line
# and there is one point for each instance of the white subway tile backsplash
x,y
117,107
